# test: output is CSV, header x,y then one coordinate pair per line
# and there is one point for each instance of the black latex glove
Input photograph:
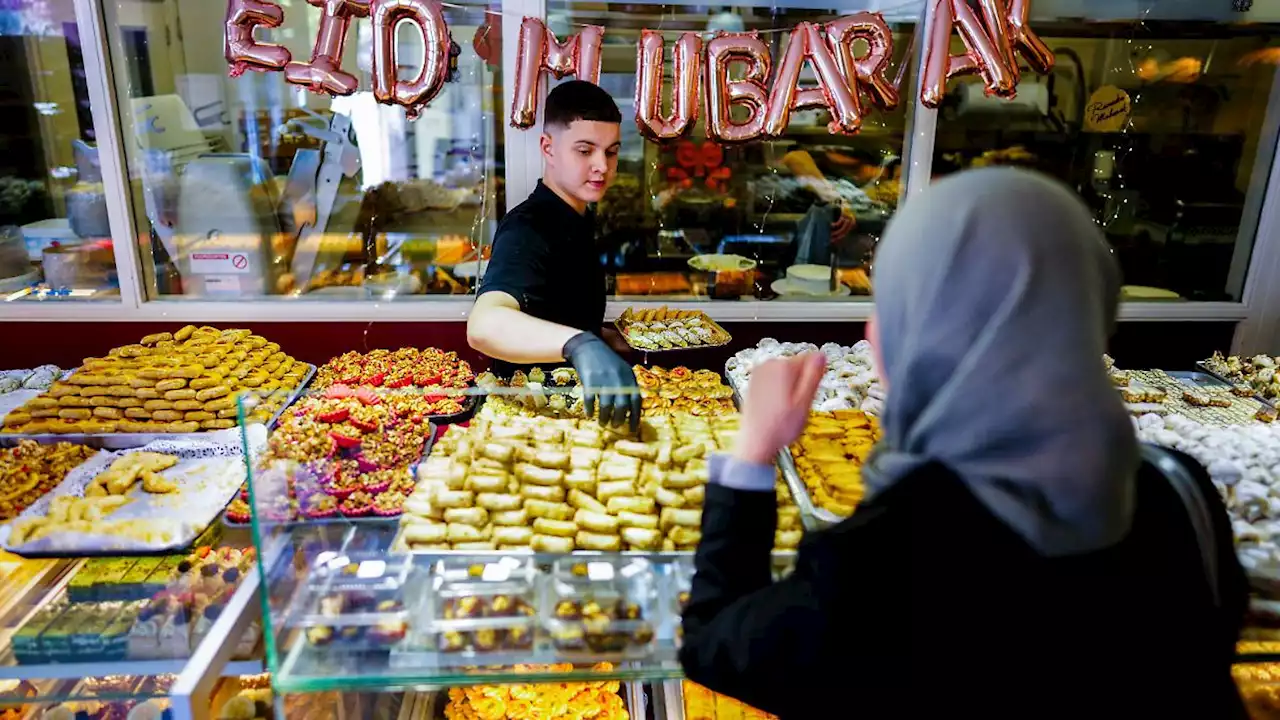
x,y
606,379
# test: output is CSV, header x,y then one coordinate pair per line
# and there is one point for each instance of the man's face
x,y
582,159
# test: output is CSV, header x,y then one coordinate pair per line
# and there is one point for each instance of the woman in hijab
x,y
1016,555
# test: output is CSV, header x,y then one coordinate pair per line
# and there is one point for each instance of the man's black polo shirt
x,y
544,256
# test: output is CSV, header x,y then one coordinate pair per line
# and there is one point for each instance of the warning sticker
x,y
205,263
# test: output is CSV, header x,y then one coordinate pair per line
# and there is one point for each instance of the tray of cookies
x,y
168,384
152,500
663,328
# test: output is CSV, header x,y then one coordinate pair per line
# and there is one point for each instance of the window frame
x,y
1258,312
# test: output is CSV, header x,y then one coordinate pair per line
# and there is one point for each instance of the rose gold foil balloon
x,y
414,94
868,71
538,50
833,92
324,73
241,50
686,70
989,47
1033,50
723,93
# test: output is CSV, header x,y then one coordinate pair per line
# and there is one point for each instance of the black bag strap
x,y
1197,510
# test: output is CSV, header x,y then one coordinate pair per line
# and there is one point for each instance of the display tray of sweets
x,y
703,704
359,605
823,468
556,393
599,700
439,378
30,470
338,454
1257,374
663,328
559,485
153,500
1198,396
850,381
167,384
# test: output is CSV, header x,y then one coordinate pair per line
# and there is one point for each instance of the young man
x,y
542,299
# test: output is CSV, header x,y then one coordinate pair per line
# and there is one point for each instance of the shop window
x,y
55,242
251,187
1163,129
690,219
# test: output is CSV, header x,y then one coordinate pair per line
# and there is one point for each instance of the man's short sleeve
x,y
517,264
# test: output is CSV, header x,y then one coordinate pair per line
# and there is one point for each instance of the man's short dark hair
x,y
579,100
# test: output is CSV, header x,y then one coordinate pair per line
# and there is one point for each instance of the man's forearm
x,y
508,334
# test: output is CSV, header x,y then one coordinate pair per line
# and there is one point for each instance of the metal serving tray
x,y
1203,368
811,516
127,441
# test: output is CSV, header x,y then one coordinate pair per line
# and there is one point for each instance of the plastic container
x,y
483,605
604,606
355,602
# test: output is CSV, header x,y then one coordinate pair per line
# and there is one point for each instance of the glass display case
x,y
248,187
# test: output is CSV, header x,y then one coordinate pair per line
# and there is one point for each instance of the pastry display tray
x,y
811,516
1204,369
129,441
719,336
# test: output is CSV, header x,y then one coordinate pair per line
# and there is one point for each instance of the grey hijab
x,y
995,293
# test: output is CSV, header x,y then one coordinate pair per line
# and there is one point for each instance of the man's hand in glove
x,y
605,378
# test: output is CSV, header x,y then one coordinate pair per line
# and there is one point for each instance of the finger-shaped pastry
x,y
551,544
46,413
185,426
551,493
629,473
641,450
586,458
166,415
560,528
454,498
596,521
549,434
611,457
499,501
156,337
107,413
680,480
596,541
18,417
184,333
154,405
187,405
217,424
685,536
420,507
547,509
510,517
229,413
527,473
425,532
673,517
121,391
787,539
479,483
488,466
789,518
615,488
667,498
212,393
508,535
685,453
127,402
475,516
586,438
498,452
74,401
584,501
42,403
634,504
508,432
183,394
61,389
697,494
68,413
583,480
458,532
170,384
198,416
641,538
147,394
475,546
553,459
206,382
